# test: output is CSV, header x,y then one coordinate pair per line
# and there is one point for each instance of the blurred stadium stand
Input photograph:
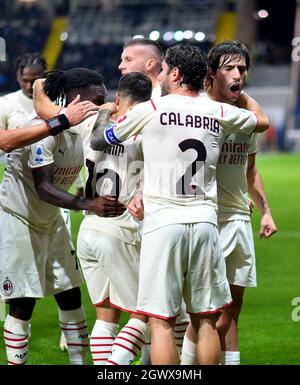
x,y
92,34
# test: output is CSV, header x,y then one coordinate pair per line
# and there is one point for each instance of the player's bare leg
x,y
163,344
208,342
129,341
228,327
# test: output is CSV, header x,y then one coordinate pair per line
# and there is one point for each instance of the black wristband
x,y
57,124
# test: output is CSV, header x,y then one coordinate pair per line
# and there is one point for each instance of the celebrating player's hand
x,y
78,111
267,226
107,206
136,207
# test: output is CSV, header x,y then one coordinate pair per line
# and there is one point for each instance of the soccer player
x,y
37,255
145,56
109,248
228,64
17,108
180,251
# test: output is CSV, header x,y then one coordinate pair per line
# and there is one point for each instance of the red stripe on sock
x,y
93,345
102,338
99,359
125,347
130,341
16,347
83,327
83,345
72,323
133,335
130,327
112,362
16,339
104,351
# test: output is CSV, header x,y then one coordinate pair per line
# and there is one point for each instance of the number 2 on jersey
x,y
184,185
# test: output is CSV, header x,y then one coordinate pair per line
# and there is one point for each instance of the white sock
x,y
230,358
179,332
73,324
128,343
16,340
189,353
146,357
102,339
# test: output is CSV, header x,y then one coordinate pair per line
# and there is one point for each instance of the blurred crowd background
x,y
78,33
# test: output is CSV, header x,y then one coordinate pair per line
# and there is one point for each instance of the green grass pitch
x,y
268,334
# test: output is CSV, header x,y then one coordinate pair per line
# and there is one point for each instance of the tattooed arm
x,y
98,141
257,191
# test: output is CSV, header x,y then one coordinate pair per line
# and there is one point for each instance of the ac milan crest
x,y
7,286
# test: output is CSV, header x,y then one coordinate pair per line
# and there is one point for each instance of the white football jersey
x,y
232,176
18,195
116,171
15,110
182,137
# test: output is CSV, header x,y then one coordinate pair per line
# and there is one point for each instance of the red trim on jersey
x,y
214,311
153,105
222,111
155,315
121,119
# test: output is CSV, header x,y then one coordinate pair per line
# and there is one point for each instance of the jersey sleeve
x,y
235,119
41,153
130,124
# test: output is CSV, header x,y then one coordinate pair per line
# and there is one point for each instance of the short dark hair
x,y
229,49
135,85
59,84
32,60
191,62
144,41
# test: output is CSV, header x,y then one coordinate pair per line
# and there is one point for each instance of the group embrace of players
x,y
166,234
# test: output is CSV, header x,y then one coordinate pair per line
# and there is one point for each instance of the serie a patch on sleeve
x,y
109,134
39,157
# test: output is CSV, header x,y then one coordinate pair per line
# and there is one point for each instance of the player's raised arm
x,y
132,123
245,101
42,103
20,137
